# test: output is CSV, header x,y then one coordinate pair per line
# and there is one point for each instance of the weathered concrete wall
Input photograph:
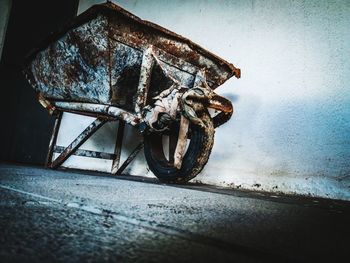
x,y
5,7
291,129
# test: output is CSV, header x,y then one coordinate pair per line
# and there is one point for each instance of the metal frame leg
x,y
53,139
86,134
118,146
130,158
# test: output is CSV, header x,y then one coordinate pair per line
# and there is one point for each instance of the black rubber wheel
x,y
200,143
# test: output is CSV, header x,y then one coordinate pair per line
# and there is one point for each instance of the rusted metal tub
x,y
111,64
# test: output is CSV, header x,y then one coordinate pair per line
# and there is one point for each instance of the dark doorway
x,y
26,127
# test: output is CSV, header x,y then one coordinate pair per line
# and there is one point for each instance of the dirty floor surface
x,y
61,216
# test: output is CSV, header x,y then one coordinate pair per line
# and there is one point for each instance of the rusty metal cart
x,y
112,65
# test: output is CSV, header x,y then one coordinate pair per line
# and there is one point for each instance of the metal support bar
x,y
181,142
144,81
118,146
173,138
87,153
90,130
130,158
53,139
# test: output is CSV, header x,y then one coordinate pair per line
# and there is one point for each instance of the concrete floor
x,y
70,216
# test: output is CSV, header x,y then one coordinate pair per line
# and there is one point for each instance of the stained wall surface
x,y
291,128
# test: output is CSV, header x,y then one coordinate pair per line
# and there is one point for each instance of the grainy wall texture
x,y
291,128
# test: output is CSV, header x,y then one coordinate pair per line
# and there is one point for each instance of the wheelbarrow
x,y
110,64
